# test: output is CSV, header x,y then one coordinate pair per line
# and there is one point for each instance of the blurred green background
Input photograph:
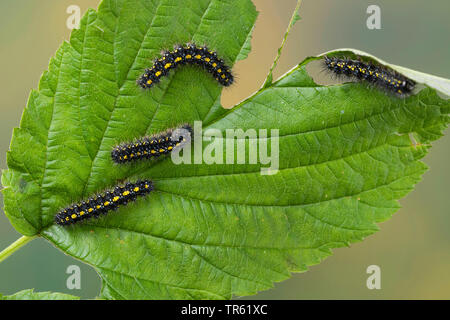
x,y
412,249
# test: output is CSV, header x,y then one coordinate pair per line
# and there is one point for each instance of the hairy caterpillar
x,y
377,75
103,203
152,146
188,54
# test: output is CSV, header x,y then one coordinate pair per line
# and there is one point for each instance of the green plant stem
x,y
13,247
268,80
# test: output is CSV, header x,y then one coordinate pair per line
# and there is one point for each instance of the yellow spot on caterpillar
x,y
98,207
214,64
207,59
223,76
126,193
169,148
153,151
219,70
198,56
132,155
67,218
158,73
146,186
74,216
161,150
116,198
90,210
136,189
125,157
106,203
188,56
167,66
178,59
82,213
149,81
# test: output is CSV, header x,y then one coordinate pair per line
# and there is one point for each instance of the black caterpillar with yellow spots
x,y
377,75
103,203
188,54
153,146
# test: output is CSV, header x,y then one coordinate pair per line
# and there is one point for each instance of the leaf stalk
x,y
16,245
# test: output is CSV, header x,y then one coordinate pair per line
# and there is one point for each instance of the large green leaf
x,y
208,231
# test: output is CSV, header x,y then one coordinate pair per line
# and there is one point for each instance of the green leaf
x,y
207,231
31,295
296,18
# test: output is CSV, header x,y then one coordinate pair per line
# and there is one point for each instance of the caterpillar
x,y
153,146
188,54
377,75
103,203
